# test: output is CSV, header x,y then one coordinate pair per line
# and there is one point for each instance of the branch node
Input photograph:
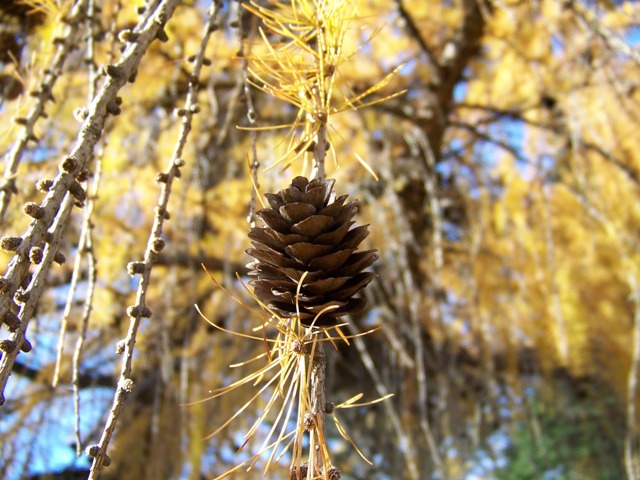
x,y
36,255
300,472
329,407
80,113
113,71
34,210
163,213
5,285
127,385
26,346
333,473
92,450
21,296
128,36
113,108
157,244
69,164
77,191
59,258
7,346
83,175
162,36
162,178
308,422
44,185
135,268
10,244
12,321
136,311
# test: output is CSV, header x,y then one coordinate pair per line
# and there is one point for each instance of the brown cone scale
x,y
308,229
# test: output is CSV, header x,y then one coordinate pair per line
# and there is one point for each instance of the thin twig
x,y
50,210
318,371
429,169
93,86
67,310
317,381
88,305
31,293
85,245
155,244
252,117
590,21
65,43
558,129
631,438
404,440
317,384
320,152
432,62
407,284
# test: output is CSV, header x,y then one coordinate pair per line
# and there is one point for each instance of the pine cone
x,y
309,230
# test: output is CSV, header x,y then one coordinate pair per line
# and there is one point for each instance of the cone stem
x,y
319,361
319,152
318,406
318,369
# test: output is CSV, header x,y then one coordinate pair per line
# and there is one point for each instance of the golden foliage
x,y
506,216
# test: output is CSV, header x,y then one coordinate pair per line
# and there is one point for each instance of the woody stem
x,y
319,152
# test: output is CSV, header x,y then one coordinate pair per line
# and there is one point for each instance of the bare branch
x,y
556,128
631,437
67,41
590,21
64,184
252,117
432,61
31,294
488,138
86,244
86,380
404,439
155,243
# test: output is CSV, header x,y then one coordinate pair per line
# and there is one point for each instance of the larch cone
x,y
308,229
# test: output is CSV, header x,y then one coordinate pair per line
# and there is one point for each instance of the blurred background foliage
x,y
505,212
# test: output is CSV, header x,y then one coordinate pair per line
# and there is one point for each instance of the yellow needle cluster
x,y
298,61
